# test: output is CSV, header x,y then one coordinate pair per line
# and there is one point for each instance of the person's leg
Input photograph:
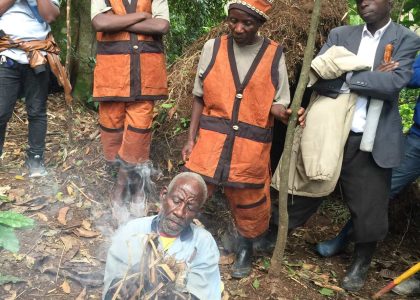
x,y
135,149
301,208
251,211
10,84
409,170
35,89
336,245
111,121
366,188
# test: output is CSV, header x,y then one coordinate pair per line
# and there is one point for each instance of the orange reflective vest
x,y
234,139
129,67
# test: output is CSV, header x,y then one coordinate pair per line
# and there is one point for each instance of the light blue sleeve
x,y
204,280
125,250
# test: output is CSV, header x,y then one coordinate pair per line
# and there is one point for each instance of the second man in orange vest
x,y
241,85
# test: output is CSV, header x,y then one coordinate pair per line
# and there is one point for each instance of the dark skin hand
x,y
5,5
197,110
281,113
47,10
180,206
387,67
139,22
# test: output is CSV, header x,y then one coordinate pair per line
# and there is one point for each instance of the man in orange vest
x,y
130,74
241,85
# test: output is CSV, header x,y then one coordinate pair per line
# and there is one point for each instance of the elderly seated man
x,y
166,255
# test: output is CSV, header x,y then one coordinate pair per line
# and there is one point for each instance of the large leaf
x,y
326,292
15,220
8,239
9,279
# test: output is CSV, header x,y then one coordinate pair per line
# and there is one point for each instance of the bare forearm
x,y
5,5
109,22
48,10
197,110
150,27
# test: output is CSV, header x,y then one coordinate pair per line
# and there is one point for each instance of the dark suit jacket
x,y
388,146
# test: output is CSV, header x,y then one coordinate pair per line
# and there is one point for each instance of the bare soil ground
x,y
63,257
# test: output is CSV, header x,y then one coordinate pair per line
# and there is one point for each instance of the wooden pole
x,y
278,253
67,66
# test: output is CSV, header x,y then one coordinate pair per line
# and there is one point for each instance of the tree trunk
x,y
83,54
278,253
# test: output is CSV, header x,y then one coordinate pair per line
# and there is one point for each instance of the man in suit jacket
x,y
365,177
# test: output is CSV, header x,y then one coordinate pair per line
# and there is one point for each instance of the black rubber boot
x,y
138,200
357,272
120,195
35,164
243,262
409,287
337,244
267,241
120,190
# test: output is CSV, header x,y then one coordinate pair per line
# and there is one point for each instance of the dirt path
x,y
63,257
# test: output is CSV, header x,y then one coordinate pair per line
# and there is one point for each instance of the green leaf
x,y
256,283
266,263
8,239
326,292
167,105
9,279
4,198
15,220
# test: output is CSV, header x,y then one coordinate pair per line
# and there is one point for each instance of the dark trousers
x,y
366,190
20,79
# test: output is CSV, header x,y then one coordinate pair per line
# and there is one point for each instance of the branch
x,y
278,253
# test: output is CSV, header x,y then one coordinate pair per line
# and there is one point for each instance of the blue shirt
x,y
203,277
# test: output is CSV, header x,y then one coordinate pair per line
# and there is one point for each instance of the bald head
x,y
192,178
181,202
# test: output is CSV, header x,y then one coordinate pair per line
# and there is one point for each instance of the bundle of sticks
x,y
157,276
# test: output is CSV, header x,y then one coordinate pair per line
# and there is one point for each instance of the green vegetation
x,y
9,221
190,20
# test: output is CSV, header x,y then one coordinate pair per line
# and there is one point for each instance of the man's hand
x,y
187,149
48,10
110,22
281,113
387,67
5,5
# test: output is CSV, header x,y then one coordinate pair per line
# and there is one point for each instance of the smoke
x,y
139,193
144,189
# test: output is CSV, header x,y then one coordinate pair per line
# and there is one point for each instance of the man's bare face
x,y
180,206
374,11
243,26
